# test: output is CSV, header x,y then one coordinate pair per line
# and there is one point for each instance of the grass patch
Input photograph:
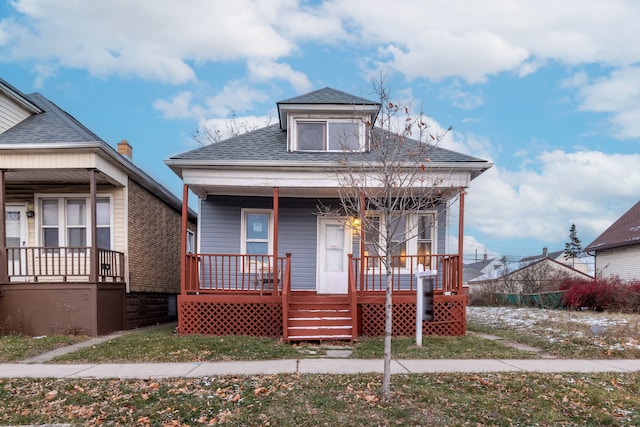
x,y
14,348
563,333
309,400
433,347
164,345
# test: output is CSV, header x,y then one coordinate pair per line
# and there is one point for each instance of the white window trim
x,y
62,217
243,230
293,130
412,243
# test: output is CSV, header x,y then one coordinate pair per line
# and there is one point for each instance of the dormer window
x,y
328,135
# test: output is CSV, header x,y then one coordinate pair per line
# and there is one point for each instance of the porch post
x,y
276,203
3,233
93,251
363,215
460,240
183,239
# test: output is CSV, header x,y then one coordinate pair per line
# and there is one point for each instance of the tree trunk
x,y
388,313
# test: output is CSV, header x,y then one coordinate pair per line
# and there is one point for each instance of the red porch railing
x,y
37,264
224,273
369,274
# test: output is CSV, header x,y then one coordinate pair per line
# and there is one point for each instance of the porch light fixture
x,y
31,214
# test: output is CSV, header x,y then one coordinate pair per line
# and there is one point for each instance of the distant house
x,y
540,274
269,264
90,242
583,263
617,249
486,268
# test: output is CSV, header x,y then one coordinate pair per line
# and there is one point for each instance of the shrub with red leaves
x,y
602,294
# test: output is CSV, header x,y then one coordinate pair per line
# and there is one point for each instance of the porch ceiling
x,y
294,192
52,177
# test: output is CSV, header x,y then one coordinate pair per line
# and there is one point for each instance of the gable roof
x,y
553,262
624,232
17,96
51,125
551,255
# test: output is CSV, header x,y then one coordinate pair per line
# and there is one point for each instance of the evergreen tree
x,y
573,248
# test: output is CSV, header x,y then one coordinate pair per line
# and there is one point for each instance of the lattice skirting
x,y
450,319
227,318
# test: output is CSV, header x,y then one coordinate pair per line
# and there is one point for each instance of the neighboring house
x,y
535,275
485,268
583,263
617,250
268,263
91,243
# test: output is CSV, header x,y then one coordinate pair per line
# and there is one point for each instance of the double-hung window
x,y
410,235
256,232
329,135
65,222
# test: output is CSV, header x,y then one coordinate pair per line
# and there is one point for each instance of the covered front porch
x,y
48,284
241,294
248,295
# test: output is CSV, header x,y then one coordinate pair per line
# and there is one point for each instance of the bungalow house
x,y
269,262
617,249
90,243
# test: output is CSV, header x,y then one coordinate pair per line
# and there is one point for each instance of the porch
x,y
227,294
62,290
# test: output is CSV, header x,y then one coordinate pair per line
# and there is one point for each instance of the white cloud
x,y
233,99
163,39
151,39
264,71
588,188
616,95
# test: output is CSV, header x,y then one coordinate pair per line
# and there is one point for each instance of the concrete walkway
x,y
310,366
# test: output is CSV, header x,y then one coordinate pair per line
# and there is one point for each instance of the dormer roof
x,y
325,101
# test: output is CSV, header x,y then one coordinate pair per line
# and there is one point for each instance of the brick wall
x,y
154,243
145,309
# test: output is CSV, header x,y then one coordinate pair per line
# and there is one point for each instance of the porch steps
x,y
315,317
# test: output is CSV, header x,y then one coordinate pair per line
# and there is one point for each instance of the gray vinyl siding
x,y
297,231
221,220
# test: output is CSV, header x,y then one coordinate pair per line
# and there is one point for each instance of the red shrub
x,y
601,294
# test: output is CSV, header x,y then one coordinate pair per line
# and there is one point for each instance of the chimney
x,y
125,149
544,252
485,255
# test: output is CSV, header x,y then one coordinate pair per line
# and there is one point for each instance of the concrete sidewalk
x,y
311,366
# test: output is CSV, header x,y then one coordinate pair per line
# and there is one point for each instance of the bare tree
x,y
387,187
205,135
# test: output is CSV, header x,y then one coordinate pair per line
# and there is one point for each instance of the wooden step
x,y
313,317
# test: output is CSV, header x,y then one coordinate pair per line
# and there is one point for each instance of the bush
x,y
602,294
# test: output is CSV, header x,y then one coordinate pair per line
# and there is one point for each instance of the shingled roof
x,y
624,232
269,144
328,95
52,125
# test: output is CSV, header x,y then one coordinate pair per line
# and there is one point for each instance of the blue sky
x,y
548,91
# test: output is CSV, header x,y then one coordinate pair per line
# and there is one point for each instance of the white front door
x,y
16,228
333,250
